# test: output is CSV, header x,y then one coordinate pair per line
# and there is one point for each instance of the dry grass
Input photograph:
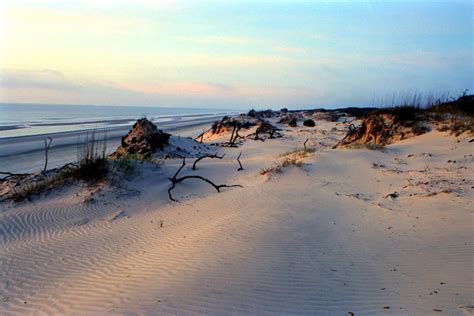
x,y
279,167
290,158
366,146
457,125
297,154
34,187
91,167
91,159
456,113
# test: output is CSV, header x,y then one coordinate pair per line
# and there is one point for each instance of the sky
x,y
232,54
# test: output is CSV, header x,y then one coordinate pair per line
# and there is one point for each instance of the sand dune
x,y
361,231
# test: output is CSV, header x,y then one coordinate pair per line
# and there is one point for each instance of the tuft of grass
x,y
91,159
32,188
123,166
366,146
290,158
298,153
404,113
412,106
35,187
271,170
279,167
457,125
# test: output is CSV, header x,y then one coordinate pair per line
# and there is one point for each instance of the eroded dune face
x,y
384,129
144,139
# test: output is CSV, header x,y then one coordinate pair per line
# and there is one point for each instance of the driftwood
x,y
47,145
206,156
175,180
304,144
240,164
202,135
68,165
46,149
351,131
265,127
235,134
11,174
272,132
256,135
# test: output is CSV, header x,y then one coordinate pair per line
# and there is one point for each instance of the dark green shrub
x,y
293,122
309,123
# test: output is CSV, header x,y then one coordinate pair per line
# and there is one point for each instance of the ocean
x,y
40,119
24,127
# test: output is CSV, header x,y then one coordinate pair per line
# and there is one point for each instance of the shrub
x,y
284,119
419,128
327,116
405,113
293,122
252,113
309,123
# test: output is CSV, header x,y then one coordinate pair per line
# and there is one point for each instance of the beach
x,y
337,231
24,128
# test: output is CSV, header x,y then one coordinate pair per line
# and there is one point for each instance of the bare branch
x,y
240,164
351,131
180,168
304,144
175,180
11,174
206,156
46,149
202,135
231,141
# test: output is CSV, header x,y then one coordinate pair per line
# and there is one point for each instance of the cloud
x,y
243,41
51,86
179,88
429,59
219,39
290,49
41,79
43,22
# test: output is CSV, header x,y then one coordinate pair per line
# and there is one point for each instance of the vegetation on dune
x,y
411,115
91,167
309,123
403,116
293,122
290,158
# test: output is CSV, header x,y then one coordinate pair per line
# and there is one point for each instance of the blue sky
x,y
232,54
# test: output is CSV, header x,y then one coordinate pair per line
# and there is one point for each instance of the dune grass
x,y
289,158
92,166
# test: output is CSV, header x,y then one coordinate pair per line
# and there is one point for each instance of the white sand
x,y
320,239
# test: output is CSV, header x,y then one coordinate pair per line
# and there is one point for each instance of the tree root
x,y
206,156
175,180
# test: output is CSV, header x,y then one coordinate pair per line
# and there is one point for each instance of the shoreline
x,y
26,153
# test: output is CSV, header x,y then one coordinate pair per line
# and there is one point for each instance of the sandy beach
x,y
275,157
340,232
26,153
